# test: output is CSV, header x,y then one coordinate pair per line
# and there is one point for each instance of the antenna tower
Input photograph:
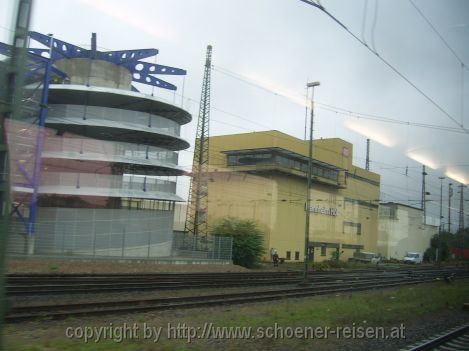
x,y
196,217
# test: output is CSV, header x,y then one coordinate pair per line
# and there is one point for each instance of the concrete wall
x,y
96,73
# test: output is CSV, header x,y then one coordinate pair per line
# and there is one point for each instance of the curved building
x,y
109,157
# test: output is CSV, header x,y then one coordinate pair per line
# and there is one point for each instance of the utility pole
x,y
450,193
461,208
461,218
367,165
439,255
423,204
309,185
196,216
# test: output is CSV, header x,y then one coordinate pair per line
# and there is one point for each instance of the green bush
x,y
247,240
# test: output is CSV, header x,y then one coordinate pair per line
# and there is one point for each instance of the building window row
x,y
147,204
273,158
288,255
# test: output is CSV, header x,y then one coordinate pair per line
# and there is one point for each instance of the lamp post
x,y
309,175
438,256
450,193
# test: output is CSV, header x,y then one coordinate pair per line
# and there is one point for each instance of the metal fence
x,y
113,233
202,247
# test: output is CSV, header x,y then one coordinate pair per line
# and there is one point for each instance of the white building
x,y
401,230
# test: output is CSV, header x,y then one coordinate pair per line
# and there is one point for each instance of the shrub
x,y
247,240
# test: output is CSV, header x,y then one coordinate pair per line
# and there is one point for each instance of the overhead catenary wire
x,y
343,111
373,26
437,32
365,12
453,52
387,63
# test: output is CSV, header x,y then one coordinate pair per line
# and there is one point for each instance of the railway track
x,y
35,285
453,340
23,313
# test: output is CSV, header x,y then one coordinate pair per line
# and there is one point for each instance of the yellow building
x,y
262,176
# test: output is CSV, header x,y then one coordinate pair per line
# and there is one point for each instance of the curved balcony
x,y
116,115
85,146
103,185
115,127
115,98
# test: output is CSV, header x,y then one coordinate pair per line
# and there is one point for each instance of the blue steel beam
x,y
62,48
40,142
150,80
142,72
150,68
121,57
34,55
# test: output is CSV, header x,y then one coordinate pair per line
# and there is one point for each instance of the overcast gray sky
x,y
280,45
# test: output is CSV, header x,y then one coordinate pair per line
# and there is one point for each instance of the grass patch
x,y
372,308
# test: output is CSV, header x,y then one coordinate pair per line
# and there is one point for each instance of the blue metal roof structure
x,y
142,72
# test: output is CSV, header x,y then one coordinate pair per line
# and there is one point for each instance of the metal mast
x,y
461,219
423,205
450,194
196,217
367,165
461,208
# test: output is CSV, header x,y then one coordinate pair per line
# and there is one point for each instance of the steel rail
x,y
22,313
114,285
454,339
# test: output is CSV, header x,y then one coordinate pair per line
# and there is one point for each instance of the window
x,y
288,255
323,250
352,228
297,255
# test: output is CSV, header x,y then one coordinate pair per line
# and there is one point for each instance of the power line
x,y
373,26
437,33
387,63
340,110
383,119
365,12
463,65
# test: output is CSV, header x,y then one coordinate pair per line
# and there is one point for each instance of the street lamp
x,y
309,175
438,255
